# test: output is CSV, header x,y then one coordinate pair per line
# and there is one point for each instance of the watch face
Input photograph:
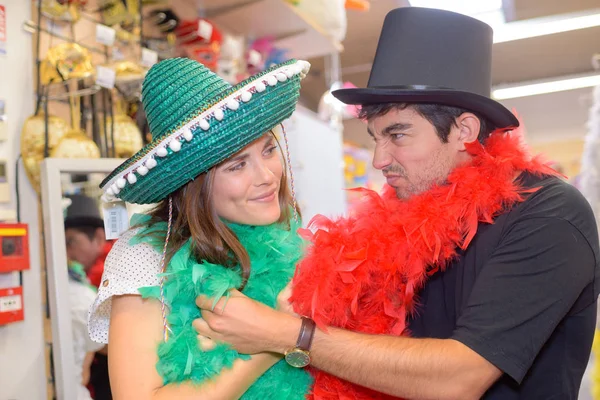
x,y
297,358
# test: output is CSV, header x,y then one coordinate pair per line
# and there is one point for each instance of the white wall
x,y
317,160
22,363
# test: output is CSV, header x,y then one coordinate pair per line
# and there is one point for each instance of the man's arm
x,y
404,367
528,286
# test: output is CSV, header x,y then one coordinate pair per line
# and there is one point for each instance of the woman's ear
x,y
468,125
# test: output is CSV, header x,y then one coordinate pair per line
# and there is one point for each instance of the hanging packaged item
x,y
33,143
66,61
200,40
330,15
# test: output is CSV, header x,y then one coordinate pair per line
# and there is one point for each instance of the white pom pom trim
x,y
233,104
175,145
246,97
162,151
188,135
142,170
151,163
204,125
260,87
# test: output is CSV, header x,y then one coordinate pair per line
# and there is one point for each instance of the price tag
x,y
105,77
116,54
149,57
116,219
105,35
3,122
205,30
55,28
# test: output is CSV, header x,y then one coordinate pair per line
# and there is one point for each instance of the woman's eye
x,y
270,150
238,167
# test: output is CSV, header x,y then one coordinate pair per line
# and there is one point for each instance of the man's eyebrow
x,y
399,126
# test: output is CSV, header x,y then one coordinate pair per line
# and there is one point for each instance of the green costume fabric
x,y
274,251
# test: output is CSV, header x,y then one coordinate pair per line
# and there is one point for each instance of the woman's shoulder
x,y
131,264
130,257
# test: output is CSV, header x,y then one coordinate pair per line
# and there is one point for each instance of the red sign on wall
x,y
2,29
2,23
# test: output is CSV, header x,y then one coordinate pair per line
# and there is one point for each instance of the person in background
x,y
87,246
86,240
81,295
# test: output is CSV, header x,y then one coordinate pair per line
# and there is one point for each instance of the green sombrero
x,y
198,120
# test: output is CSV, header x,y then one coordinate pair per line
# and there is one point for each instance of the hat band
x,y
424,88
411,87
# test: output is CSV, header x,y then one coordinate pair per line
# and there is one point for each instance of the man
x,y
87,245
505,310
81,296
85,236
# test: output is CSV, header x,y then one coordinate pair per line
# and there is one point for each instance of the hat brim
x,y
206,140
495,112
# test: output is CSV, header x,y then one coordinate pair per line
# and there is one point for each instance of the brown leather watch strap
x,y
307,332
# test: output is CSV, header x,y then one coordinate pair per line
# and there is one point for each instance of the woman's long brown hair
x,y
195,217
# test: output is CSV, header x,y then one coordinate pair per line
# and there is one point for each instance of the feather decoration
x,y
274,251
361,272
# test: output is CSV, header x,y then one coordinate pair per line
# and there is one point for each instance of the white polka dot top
x,y
126,269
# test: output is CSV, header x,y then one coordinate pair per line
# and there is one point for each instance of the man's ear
x,y
100,236
468,126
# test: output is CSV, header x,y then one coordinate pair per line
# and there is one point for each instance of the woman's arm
x,y
135,332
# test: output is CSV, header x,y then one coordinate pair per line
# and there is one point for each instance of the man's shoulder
x,y
557,206
552,197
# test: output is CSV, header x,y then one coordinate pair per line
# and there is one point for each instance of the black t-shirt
x,y
523,295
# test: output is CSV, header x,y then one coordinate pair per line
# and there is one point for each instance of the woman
x,y
223,220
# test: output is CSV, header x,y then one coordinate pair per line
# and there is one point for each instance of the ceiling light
x,y
491,12
545,26
470,7
536,88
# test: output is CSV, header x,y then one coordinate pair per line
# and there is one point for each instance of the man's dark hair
x,y
442,117
89,231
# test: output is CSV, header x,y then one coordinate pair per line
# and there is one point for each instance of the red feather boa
x,y
361,272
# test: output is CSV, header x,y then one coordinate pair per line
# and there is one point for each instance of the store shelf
x,y
291,29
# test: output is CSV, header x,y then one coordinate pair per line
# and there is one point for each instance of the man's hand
x,y
250,327
283,301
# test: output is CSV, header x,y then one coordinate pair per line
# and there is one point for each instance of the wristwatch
x,y
299,356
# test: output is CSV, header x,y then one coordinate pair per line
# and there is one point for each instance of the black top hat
x,y
83,212
433,56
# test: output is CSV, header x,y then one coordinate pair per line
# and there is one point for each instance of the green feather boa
x,y
274,252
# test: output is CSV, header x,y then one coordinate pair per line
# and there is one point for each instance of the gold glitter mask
x,y
66,61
